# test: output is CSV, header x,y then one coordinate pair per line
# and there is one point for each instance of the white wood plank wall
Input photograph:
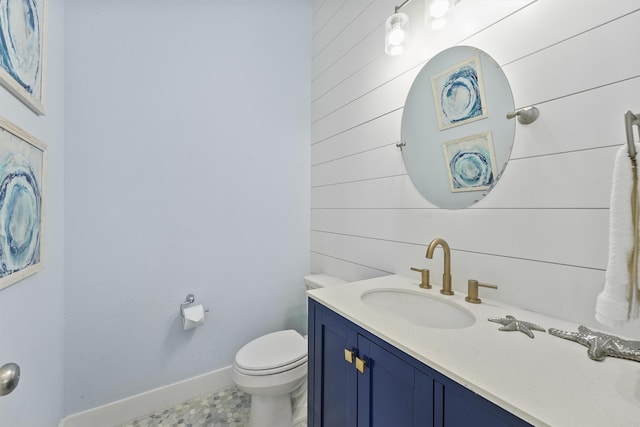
x,y
542,234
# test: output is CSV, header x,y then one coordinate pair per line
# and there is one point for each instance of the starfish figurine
x,y
512,324
601,345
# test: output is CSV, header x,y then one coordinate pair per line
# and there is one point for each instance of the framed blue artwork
x,y
471,163
22,176
458,94
22,41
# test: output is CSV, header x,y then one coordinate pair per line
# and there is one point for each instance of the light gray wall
x,y
541,235
187,160
31,311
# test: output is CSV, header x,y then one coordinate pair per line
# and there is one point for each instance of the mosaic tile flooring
x,y
226,408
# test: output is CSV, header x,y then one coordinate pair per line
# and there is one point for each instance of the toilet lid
x,y
273,350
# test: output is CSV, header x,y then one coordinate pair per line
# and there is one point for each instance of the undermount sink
x,y
419,308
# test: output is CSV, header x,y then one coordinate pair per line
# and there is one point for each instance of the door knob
x,y
360,365
9,377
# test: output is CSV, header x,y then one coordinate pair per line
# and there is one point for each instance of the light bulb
x,y
437,23
394,50
396,35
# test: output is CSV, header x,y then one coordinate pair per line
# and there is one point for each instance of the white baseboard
x,y
121,411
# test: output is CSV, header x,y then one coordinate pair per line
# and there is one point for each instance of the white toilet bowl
x,y
273,370
270,368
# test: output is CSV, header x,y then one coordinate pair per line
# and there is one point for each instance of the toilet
x,y
273,370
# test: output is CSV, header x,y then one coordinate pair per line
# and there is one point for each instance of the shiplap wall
x,y
542,234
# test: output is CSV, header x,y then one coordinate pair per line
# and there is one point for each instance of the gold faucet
x,y
446,276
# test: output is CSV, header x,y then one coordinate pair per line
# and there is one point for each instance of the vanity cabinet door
x,y
332,379
462,407
391,392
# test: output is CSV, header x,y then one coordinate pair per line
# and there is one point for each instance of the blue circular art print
x,y
20,41
460,97
20,211
471,169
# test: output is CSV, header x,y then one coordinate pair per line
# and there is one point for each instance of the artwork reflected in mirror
x,y
456,139
458,94
470,162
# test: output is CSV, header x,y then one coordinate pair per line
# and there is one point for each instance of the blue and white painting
x,y
458,94
21,180
21,50
471,163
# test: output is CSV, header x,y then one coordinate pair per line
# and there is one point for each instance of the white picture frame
x,y
22,50
22,182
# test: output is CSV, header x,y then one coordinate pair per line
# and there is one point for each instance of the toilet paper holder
x,y
190,299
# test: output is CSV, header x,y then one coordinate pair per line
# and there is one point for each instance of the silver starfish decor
x,y
601,345
512,324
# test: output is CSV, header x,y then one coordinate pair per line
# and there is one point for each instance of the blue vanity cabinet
x,y
386,391
393,389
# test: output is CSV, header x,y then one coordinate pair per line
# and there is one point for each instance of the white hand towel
x,y
613,305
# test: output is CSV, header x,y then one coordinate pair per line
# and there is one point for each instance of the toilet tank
x,y
315,281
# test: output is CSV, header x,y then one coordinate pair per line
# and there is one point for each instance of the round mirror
x,y
455,134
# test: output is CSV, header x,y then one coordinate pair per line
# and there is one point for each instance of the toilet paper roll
x,y
193,316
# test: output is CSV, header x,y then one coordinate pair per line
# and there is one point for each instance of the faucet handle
x,y
424,283
472,292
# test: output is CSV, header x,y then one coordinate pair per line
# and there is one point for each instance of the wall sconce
x,y
437,15
396,33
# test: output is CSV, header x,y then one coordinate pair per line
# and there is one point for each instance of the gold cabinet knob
x,y
424,283
348,355
472,292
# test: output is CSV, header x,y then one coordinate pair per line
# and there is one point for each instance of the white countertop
x,y
547,380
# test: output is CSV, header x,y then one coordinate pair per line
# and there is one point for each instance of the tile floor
x,y
227,408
